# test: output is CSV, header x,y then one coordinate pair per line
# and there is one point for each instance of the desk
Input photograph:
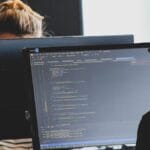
x,y
16,144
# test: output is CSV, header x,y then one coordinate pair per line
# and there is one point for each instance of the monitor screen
x,y
89,97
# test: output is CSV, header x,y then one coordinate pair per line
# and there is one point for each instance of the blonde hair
x,y
18,18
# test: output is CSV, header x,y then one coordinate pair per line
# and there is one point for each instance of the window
x,y
115,17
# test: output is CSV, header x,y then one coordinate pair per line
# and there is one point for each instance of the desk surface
x,y
16,144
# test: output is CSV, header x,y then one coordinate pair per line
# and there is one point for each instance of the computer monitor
x,y
87,96
13,103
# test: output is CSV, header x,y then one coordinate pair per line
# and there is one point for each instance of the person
x,y
143,134
18,20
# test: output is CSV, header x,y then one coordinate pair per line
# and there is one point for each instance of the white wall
x,y
111,17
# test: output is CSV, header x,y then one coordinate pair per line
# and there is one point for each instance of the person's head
x,y
19,20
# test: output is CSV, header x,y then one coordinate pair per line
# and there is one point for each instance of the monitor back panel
x,y
13,103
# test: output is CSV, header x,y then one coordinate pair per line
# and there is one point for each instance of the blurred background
x,y
96,17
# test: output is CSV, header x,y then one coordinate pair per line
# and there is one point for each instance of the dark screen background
x,y
90,97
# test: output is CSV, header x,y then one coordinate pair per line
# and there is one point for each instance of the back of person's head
x,y
18,18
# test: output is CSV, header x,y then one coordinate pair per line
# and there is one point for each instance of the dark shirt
x,y
143,135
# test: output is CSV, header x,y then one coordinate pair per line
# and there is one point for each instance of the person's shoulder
x,y
146,115
146,118
143,136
